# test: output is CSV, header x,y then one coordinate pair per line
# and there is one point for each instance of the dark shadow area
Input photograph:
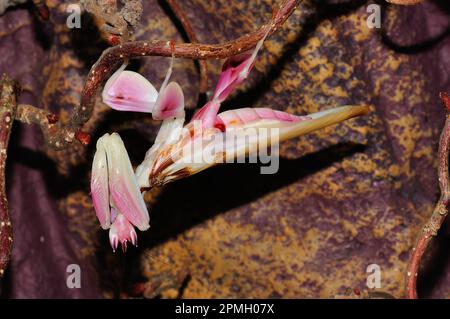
x,y
443,5
86,42
5,285
43,30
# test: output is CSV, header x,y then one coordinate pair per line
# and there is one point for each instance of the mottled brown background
x,y
345,197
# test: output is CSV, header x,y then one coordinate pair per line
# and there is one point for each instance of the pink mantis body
x,y
116,188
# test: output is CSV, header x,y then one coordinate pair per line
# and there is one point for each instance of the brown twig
x,y
8,92
48,122
440,211
181,16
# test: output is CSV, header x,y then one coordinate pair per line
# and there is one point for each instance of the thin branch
x,y
8,92
440,211
181,16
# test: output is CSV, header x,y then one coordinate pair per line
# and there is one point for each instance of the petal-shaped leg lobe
x,y
125,193
99,184
170,103
129,91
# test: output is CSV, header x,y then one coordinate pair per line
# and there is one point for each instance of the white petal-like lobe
x,y
99,184
125,193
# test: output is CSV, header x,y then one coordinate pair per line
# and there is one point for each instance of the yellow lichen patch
x,y
362,164
385,225
325,71
336,91
344,71
394,62
360,31
205,247
79,205
273,47
327,30
408,132
350,227
394,170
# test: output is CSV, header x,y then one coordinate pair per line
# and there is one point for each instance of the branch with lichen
x,y
440,211
8,92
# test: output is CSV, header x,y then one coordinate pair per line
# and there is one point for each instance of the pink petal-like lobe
x,y
170,103
129,91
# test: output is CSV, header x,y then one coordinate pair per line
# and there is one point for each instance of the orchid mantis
x,y
116,189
